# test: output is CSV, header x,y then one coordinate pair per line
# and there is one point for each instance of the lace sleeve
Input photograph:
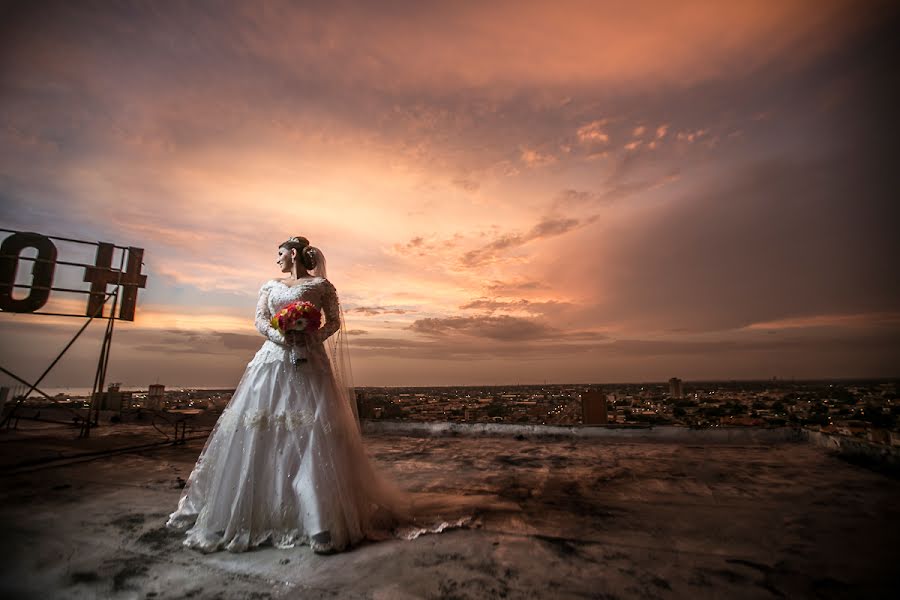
x,y
331,310
264,315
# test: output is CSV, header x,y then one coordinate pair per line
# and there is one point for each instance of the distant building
x,y
156,397
675,389
376,407
368,407
593,408
365,408
113,398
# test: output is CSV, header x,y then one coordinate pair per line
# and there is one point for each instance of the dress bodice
x,y
281,294
275,295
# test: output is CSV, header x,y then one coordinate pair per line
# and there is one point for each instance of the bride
x,y
285,463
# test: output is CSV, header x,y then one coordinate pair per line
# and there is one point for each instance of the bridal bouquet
x,y
299,316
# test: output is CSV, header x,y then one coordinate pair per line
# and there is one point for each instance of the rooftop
x,y
634,514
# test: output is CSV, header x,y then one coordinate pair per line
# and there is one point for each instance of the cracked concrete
x,y
624,517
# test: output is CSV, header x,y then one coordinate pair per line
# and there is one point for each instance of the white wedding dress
x,y
285,461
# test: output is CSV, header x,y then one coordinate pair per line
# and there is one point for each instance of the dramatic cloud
x,y
550,191
522,305
378,310
504,327
547,227
515,288
781,235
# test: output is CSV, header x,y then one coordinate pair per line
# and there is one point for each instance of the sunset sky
x,y
506,192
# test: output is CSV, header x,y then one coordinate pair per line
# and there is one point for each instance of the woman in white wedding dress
x,y
285,463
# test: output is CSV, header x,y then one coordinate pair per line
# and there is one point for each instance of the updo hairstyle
x,y
306,253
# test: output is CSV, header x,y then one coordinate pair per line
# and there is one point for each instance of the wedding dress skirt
x,y
284,462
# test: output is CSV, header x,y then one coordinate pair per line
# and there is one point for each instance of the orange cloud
x,y
537,43
593,132
852,320
533,158
518,154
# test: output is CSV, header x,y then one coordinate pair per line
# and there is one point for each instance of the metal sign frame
x,y
127,279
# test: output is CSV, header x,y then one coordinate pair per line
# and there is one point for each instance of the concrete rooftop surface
x,y
630,515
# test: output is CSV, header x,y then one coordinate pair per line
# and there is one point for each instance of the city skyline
x,y
519,192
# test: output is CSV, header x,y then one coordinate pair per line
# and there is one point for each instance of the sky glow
x,y
513,193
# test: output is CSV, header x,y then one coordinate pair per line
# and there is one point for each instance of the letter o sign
x,y
41,272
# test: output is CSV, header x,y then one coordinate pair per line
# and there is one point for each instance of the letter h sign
x,y
102,274
99,275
